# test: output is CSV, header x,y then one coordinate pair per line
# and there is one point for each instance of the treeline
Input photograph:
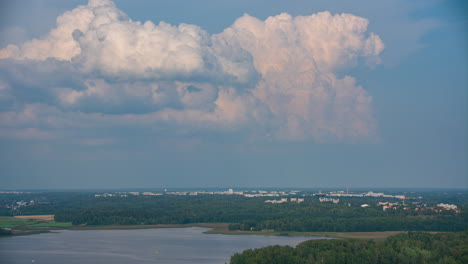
x,y
83,208
369,224
254,214
167,209
410,248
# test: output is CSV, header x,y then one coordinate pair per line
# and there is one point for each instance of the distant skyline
x,y
200,94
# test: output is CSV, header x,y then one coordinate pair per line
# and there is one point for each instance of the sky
x,y
217,93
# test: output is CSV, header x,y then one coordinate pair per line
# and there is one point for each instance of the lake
x,y
160,245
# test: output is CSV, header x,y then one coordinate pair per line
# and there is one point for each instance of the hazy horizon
x,y
175,189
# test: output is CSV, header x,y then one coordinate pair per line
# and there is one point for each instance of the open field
x,y
31,222
36,217
9,222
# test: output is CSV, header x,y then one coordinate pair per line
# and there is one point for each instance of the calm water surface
x,y
175,245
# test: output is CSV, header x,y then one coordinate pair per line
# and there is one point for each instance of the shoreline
x,y
36,224
110,227
378,235
222,229
215,229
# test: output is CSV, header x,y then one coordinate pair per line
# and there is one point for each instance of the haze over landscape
x,y
132,94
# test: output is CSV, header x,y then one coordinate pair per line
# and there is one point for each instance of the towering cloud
x,y
277,77
297,58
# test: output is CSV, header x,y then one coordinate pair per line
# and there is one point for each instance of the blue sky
x,y
233,94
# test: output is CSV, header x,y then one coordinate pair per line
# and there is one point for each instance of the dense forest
x,y
413,247
244,213
359,224
255,214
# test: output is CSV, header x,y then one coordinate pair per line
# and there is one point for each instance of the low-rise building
x,y
282,200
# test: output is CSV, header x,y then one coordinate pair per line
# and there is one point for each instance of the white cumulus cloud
x,y
297,58
277,76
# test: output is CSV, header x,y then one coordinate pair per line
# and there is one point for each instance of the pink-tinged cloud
x,y
276,77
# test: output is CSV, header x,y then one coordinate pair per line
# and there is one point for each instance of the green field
x,y
10,222
17,223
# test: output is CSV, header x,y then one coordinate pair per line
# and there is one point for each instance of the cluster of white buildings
x,y
228,192
368,194
419,206
117,194
448,206
282,200
15,205
151,193
323,199
373,194
387,205
297,200
285,200
250,194
111,195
